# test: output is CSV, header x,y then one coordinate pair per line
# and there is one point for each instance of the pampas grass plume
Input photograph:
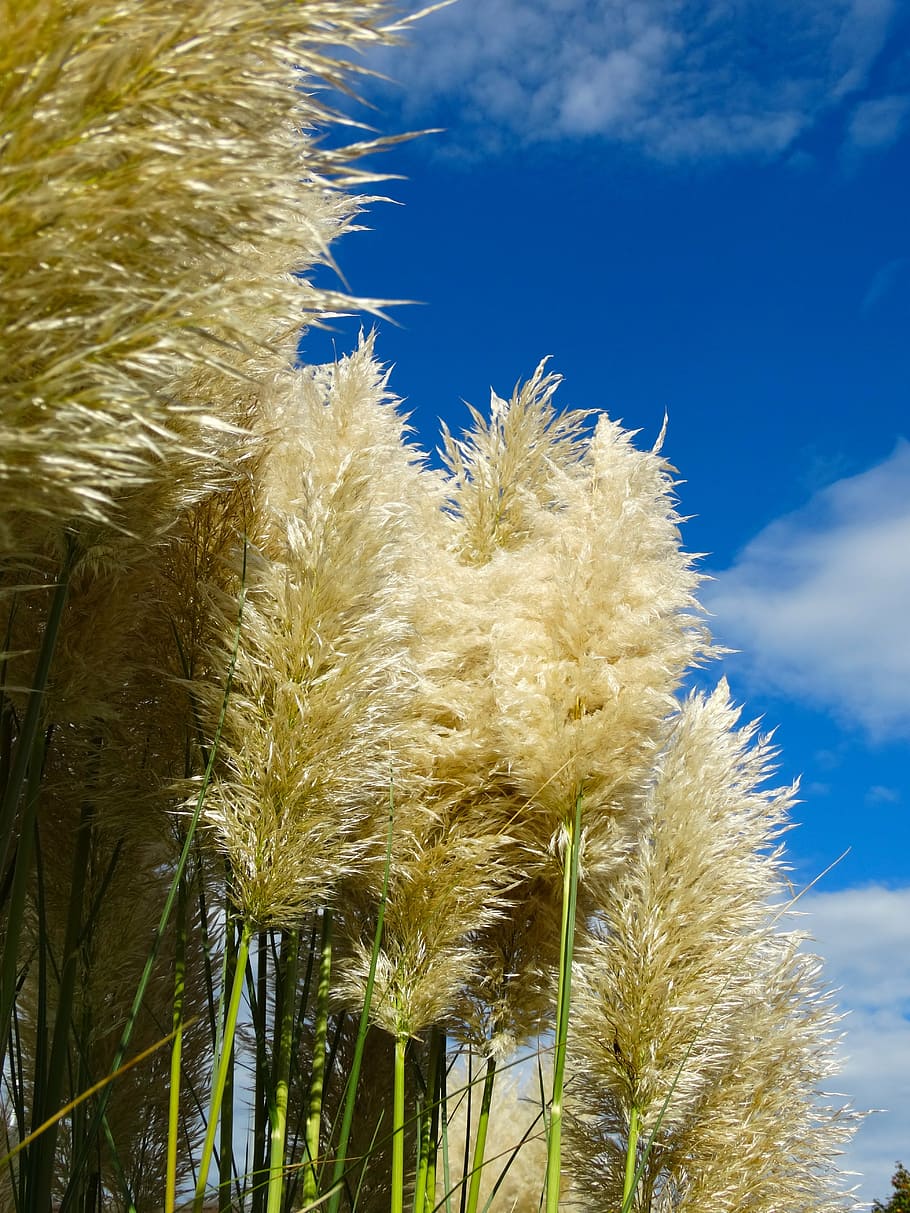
x,y
323,680
153,225
693,1009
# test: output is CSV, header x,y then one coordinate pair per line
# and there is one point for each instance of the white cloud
x,y
880,794
818,601
864,936
878,123
884,282
676,78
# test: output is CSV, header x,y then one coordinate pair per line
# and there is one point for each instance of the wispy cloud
x,y
676,78
881,794
884,281
877,123
864,936
817,602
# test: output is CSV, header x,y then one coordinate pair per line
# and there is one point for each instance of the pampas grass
x,y
691,998
322,770
127,340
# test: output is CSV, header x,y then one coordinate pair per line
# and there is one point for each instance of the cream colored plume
x,y
160,190
443,890
597,628
504,471
694,1010
557,681
323,683
590,610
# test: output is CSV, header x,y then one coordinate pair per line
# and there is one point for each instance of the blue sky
x,y
702,208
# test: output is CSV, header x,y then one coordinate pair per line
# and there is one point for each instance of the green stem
x,y
260,1097
226,1108
516,1150
41,1041
397,1201
45,1147
566,947
34,711
290,950
223,1062
347,1118
425,1187
481,1140
22,867
444,1117
438,1078
628,1188
173,1117
466,1158
317,1081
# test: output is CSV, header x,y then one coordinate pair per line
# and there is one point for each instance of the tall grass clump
x,y
360,846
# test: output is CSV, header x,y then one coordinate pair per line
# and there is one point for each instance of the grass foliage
x,y
359,848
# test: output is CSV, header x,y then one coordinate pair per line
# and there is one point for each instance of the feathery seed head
x,y
323,679
595,626
687,999
152,225
442,893
502,472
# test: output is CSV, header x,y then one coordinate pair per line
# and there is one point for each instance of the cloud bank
x,y
864,936
677,79
818,601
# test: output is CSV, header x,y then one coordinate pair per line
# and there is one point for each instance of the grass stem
x,y
480,1141
397,1198
145,978
353,1079
173,1118
631,1175
222,1068
33,721
287,995
258,999
564,997
226,1107
437,1070
425,1185
317,1080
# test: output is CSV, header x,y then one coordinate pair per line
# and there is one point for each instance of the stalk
x,y
629,1181
290,950
232,973
397,1202
438,1072
444,1116
303,999
227,1043
317,1081
173,1116
353,1079
429,1128
510,1160
466,1159
6,708
564,995
43,1154
207,949
481,1140
16,1081
31,724
260,1097
22,866
42,1018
